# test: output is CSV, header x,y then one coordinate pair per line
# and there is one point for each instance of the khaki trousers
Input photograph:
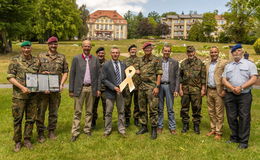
x,y
216,110
85,95
121,114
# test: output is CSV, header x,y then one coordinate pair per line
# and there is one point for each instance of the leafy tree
x,y
168,13
196,32
132,24
59,18
145,28
162,29
209,24
84,15
156,16
239,19
14,16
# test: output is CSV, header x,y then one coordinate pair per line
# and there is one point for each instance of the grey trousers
x,y
109,111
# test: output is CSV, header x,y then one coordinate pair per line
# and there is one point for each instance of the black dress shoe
x,y
185,128
136,122
74,138
127,122
154,133
197,129
142,130
242,146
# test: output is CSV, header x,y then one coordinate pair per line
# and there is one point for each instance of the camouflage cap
x,y
26,43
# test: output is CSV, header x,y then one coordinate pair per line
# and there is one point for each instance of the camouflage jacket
x,y
149,67
134,61
55,64
17,69
192,76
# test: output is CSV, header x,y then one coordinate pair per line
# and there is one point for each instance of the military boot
x,y
28,144
185,127
142,130
93,124
196,128
136,122
154,133
127,122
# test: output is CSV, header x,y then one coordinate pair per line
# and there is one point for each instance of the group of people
x,y
156,79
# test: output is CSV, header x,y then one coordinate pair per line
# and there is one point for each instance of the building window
x,y
97,26
110,27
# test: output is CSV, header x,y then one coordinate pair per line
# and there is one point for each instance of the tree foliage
x,y
13,21
84,15
59,18
154,15
209,25
196,32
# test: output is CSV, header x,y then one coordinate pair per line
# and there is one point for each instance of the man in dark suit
x,y
113,73
169,89
84,85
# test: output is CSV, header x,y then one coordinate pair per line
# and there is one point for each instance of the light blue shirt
x,y
211,80
165,68
119,66
237,73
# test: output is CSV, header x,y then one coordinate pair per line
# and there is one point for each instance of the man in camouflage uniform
x,y
150,70
192,88
133,60
23,100
101,57
51,62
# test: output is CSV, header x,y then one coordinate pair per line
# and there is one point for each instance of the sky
x,y
160,6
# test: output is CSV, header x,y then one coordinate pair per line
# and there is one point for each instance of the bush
x,y
257,46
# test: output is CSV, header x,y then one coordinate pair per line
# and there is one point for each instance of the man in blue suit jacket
x,y
113,73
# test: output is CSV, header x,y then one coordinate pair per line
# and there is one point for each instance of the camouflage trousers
x,y
147,100
195,100
95,106
19,107
52,102
128,104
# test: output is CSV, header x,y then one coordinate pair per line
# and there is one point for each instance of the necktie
x,y
118,81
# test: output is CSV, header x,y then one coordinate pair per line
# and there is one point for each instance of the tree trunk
x,y
6,45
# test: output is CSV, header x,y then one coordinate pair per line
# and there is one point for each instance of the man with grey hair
x,y
84,85
113,73
238,77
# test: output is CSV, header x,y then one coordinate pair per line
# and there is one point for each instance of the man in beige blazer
x,y
215,92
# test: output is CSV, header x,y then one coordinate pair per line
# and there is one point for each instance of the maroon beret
x,y
52,39
146,44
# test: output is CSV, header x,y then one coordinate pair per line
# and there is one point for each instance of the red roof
x,y
112,14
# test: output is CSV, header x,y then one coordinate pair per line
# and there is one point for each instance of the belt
x,y
87,85
165,82
212,87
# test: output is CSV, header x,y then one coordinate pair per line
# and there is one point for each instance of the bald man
x,y
84,85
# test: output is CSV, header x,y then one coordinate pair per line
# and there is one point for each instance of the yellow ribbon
x,y
129,72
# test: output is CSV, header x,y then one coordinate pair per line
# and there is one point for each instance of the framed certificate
x,y
42,82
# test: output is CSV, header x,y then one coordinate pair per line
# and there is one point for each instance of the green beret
x,y
26,43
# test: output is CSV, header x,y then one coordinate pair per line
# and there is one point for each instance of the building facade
x,y
180,25
107,25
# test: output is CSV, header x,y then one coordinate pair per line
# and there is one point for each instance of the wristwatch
x,y
241,88
157,86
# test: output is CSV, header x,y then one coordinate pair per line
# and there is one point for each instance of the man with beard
x,y
238,78
51,62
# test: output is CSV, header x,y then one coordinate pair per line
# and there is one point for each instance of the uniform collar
x,y
149,58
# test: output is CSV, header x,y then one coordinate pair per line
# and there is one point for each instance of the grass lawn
x,y
180,146
69,49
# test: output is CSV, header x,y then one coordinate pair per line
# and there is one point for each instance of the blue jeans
x,y
165,92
